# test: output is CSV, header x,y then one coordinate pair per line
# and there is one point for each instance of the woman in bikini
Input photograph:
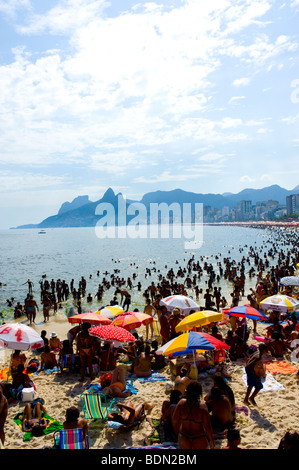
x,y
191,420
85,349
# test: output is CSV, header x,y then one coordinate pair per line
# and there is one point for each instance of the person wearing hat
x,y
54,342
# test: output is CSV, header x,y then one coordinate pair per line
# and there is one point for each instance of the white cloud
x,y
241,81
246,179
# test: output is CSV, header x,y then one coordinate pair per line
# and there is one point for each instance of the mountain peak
x,y
108,195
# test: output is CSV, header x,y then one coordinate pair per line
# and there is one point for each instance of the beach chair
x,y
67,362
96,406
71,439
156,325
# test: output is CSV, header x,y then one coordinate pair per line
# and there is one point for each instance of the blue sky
x,y
144,96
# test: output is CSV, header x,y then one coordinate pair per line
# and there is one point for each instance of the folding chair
x,y
67,362
71,439
95,406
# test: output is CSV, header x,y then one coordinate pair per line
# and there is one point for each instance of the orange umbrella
x,y
91,317
131,320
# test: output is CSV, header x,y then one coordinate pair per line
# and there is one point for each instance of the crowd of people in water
x,y
187,418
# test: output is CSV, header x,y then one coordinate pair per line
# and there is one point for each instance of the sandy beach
x,y
261,426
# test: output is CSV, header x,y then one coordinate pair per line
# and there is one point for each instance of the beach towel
x,y
154,377
52,425
5,374
281,367
269,383
47,371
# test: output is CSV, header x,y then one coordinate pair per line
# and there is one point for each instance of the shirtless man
x,y
3,414
47,304
31,307
72,421
191,420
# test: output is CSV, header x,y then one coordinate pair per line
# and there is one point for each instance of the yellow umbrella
x,y
197,319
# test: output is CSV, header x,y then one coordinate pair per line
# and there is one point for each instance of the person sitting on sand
x,y
220,382
54,343
16,359
181,381
233,439
73,421
128,412
191,420
221,410
118,384
143,368
168,407
255,370
32,420
159,359
48,359
277,346
20,378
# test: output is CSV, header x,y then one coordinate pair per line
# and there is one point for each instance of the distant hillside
x,y
81,212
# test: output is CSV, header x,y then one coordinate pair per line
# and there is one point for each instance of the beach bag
x,y
27,394
32,366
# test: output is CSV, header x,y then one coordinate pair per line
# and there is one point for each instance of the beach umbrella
x,y
279,303
20,337
289,281
246,311
181,301
131,320
110,311
191,341
112,333
198,319
91,317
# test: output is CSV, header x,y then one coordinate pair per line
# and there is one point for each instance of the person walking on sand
x,y
255,370
191,420
31,307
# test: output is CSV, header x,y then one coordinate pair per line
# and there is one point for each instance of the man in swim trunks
x,y
191,420
31,307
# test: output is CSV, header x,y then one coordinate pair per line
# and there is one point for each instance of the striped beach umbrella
x,y
246,311
280,303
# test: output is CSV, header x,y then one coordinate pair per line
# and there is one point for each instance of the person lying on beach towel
x,y
52,424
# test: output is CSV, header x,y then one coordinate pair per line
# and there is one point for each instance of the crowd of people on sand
x,y
187,418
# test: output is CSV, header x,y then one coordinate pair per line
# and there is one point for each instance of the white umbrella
x,y
181,301
19,336
290,281
280,303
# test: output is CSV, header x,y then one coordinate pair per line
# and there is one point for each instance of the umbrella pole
x,y
195,364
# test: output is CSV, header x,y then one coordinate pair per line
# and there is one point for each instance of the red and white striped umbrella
x,y
112,333
19,336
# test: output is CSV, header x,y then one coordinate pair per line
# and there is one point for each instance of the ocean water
x,y
69,253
